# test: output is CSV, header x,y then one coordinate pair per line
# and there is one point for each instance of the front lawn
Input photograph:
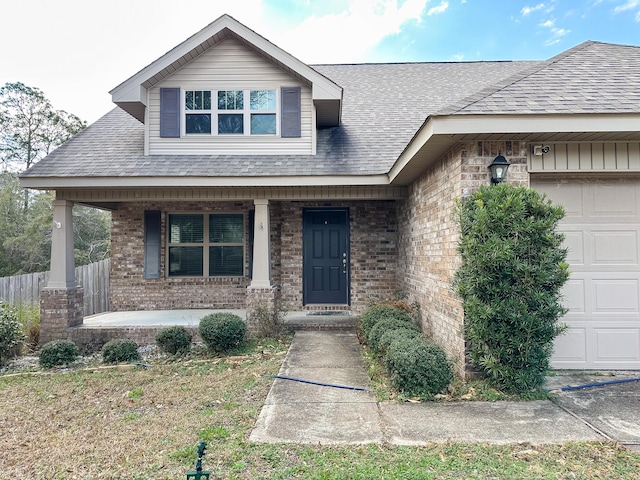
x,y
97,423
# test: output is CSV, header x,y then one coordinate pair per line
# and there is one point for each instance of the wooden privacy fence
x,y
94,279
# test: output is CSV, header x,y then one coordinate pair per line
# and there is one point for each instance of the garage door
x,y
602,233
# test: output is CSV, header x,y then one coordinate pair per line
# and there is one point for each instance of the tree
x,y
513,268
30,128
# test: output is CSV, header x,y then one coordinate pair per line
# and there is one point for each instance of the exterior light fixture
x,y
499,169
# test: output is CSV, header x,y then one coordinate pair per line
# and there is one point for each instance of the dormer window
x,y
238,112
190,112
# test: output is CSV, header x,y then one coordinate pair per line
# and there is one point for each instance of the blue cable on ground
x,y
333,385
598,384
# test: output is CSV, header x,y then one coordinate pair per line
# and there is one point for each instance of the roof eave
x,y
439,134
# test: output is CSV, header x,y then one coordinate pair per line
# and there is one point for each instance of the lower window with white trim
x,y
206,245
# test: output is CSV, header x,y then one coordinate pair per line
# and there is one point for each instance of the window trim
x,y
246,112
206,244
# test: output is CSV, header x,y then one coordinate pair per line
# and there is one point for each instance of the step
x,y
320,320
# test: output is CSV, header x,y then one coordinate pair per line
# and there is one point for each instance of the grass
x,y
96,423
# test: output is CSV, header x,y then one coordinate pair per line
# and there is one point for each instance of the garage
x,y
602,233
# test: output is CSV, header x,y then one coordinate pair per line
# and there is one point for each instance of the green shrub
x,y
174,340
397,334
11,334
376,313
387,324
58,353
418,367
222,331
120,350
513,268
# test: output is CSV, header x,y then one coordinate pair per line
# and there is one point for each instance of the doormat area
x,y
326,313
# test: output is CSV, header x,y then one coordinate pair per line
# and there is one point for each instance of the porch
x,y
142,326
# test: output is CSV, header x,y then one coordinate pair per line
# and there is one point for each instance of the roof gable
x,y
131,94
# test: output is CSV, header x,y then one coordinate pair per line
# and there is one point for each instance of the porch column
x,y
261,275
62,262
62,300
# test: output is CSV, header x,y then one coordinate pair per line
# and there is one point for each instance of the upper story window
x,y
266,112
237,112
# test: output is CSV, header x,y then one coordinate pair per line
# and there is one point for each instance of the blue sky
x,y
78,50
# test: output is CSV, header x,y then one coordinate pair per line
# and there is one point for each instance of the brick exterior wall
x,y
373,237
130,291
59,309
428,236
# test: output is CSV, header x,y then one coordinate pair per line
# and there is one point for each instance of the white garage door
x,y
602,233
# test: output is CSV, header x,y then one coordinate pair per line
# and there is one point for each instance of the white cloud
x,y
438,9
548,23
527,10
350,35
638,17
628,5
556,35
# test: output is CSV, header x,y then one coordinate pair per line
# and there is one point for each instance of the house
x,y
232,168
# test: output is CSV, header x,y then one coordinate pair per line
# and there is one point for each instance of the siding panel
x,y
229,65
588,157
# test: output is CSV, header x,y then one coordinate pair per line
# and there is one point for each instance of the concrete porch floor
x,y
302,320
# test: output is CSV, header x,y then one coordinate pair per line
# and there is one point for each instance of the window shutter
x,y
290,112
152,243
170,112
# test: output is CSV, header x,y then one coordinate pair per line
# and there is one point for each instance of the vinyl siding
x,y
588,157
230,66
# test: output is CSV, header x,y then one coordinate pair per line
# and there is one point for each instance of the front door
x,y
325,256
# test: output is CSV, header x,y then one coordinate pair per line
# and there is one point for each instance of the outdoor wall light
x,y
57,224
499,169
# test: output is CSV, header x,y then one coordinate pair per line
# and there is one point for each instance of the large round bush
x,y
376,313
120,350
222,331
174,340
418,367
58,353
396,335
386,324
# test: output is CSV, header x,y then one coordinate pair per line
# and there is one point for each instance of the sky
x,y
76,51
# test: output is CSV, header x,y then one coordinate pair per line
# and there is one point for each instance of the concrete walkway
x,y
296,412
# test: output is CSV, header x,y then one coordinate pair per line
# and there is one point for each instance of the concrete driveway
x,y
612,410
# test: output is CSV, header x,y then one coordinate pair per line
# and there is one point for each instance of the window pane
x,y
198,123
230,100
185,261
231,123
263,123
186,229
226,228
197,100
226,261
263,99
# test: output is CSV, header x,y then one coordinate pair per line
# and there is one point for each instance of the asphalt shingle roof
x,y
383,107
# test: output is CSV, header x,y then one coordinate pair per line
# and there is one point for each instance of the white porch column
x,y
261,275
62,262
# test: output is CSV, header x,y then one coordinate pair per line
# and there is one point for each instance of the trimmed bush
x,y
387,324
513,268
395,335
11,334
222,331
376,313
57,353
174,340
120,350
418,367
